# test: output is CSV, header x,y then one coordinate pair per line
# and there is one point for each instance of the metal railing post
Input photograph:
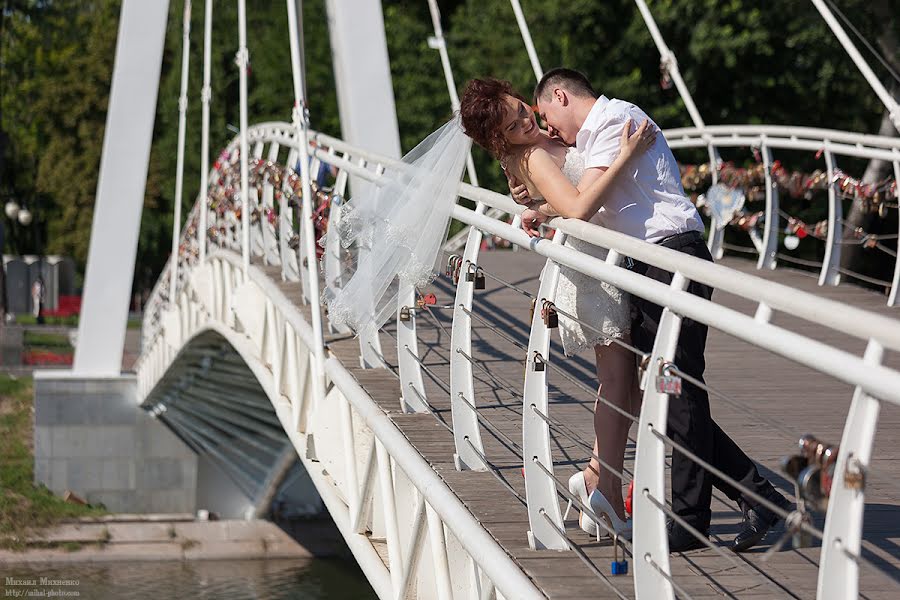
x,y
271,255
830,274
334,252
769,246
540,489
412,388
839,565
370,351
716,234
650,539
290,269
465,422
895,281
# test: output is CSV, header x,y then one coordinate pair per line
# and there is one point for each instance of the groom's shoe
x,y
758,520
682,540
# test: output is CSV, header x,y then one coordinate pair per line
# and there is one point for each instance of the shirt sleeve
x,y
603,147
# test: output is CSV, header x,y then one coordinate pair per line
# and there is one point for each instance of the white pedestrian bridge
x,y
441,447
442,444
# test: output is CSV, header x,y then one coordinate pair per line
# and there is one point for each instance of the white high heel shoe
x,y
603,509
577,487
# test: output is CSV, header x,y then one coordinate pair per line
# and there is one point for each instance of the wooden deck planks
x,y
780,400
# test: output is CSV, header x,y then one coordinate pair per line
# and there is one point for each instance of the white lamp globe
x,y
25,216
12,209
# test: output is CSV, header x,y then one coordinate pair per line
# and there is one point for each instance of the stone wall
x,y
90,437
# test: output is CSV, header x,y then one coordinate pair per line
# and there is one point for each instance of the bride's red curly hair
x,y
482,109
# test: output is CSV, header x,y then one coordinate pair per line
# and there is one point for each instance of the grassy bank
x,y
71,321
24,506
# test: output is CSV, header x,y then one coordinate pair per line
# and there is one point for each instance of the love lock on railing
x,y
475,275
454,264
549,314
667,382
812,471
422,302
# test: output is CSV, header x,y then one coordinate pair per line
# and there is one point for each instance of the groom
x,y
652,206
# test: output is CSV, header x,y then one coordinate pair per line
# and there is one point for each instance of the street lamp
x,y
15,212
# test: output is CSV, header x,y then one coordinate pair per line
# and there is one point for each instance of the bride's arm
x,y
567,200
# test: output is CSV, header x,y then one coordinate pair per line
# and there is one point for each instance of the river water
x,y
314,579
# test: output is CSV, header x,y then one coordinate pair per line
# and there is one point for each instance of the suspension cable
x,y
430,408
744,489
495,472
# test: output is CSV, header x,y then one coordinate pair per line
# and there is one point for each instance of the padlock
x,y
479,279
810,484
793,465
829,461
855,474
404,313
618,567
629,498
451,264
426,300
549,315
538,362
666,382
457,266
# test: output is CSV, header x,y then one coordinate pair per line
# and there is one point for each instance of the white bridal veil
x,y
394,231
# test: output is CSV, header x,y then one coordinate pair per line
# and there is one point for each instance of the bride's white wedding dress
x,y
597,303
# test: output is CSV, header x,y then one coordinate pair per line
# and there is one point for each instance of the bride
x,y
502,122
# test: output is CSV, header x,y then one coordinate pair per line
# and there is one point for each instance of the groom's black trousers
x,y
690,423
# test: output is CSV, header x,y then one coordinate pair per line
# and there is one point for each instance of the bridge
x,y
441,444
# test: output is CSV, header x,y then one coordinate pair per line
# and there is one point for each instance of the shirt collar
x,y
587,127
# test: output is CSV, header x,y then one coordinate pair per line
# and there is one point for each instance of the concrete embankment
x,y
157,538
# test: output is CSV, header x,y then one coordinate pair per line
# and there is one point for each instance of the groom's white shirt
x,y
651,203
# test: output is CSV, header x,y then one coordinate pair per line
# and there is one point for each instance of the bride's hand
x,y
635,144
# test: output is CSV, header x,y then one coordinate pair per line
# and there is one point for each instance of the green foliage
x,y
743,62
24,505
46,340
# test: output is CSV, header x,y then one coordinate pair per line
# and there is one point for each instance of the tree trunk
x,y
853,255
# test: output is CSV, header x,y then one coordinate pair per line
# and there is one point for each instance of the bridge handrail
x,y
855,322
789,132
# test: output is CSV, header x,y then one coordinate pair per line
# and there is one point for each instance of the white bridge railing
x,y
220,293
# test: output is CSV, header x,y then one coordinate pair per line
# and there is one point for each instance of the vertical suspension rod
x,y
441,44
883,94
243,60
179,168
205,97
301,124
526,37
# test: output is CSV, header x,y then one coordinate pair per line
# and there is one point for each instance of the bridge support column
x,y
120,189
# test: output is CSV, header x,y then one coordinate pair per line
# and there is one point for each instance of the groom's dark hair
x,y
570,80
